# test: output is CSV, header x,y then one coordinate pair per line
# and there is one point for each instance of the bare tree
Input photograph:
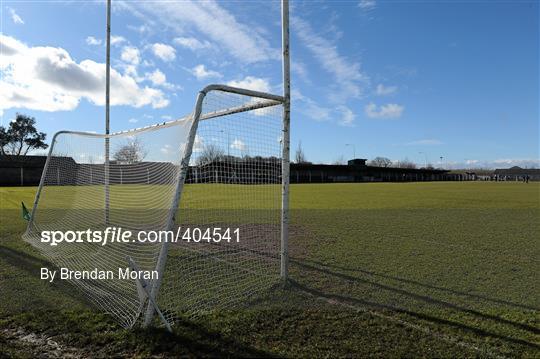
x,y
381,162
405,163
131,152
300,157
209,154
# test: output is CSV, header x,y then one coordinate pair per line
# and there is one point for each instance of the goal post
x,y
224,167
107,107
264,100
172,178
284,267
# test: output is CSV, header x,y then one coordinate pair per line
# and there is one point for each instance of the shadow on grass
x,y
430,318
93,331
193,339
429,286
32,266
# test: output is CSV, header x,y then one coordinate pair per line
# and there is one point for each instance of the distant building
x,y
517,173
356,170
26,171
357,162
21,170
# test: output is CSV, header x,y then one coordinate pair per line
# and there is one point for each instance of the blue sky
x,y
400,79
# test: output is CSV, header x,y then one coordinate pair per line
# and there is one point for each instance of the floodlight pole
x,y
425,158
107,108
285,165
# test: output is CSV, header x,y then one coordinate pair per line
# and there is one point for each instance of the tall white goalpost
x,y
224,166
107,109
286,139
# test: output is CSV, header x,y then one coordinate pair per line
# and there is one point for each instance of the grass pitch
x,y
410,269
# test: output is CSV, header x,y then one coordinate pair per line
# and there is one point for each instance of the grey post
x,y
285,166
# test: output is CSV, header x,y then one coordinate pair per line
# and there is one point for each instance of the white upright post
x,y
184,169
107,105
285,165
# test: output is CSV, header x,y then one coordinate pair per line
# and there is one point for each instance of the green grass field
x,y
409,269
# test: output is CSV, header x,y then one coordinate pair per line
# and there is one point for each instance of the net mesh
x,y
232,188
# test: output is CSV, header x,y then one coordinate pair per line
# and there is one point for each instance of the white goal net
x,y
216,174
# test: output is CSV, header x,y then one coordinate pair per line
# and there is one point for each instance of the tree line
x,y
21,136
300,157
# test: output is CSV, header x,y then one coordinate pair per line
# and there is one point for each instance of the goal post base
x,y
142,284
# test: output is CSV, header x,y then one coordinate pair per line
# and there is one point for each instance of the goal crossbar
x,y
253,102
256,163
267,100
272,100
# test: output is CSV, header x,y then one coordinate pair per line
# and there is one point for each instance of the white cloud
x,y
131,70
48,79
317,112
298,68
214,22
309,107
131,54
347,74
117,40
198,144
192,43
133,120
252,83
342,115
15,17
90,40
385,90
347,116
493,164
201,73
198,147
166,117
367,5
238,145
427,142
157,77
524,162
140,29
166,149
390,110
164,52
